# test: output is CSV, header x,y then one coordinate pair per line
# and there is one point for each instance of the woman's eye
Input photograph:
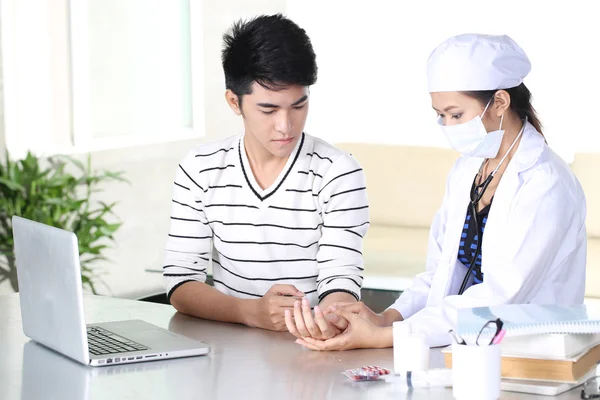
x,y
457,116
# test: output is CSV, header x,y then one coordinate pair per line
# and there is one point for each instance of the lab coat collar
x,y
530,149
527,155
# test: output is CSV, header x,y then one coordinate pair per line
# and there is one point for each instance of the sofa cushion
x,y
592,280
586,167
393,256
405,184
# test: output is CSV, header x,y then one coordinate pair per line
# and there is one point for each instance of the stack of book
x,y
547,349
551,357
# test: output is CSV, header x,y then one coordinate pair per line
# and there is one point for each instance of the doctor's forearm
x,y
389,316
383,339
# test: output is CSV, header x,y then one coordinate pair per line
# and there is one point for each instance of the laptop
x,y
51,296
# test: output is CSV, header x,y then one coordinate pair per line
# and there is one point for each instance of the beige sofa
x,y
586,167
405,188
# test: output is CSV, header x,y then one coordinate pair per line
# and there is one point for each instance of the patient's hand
x,y
359,334
301,322
361,309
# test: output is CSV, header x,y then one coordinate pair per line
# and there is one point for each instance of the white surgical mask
x,y
471,139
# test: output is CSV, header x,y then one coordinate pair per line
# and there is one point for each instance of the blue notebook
x,y
531,319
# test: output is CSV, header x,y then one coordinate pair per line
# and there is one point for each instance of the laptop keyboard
x,y
101,341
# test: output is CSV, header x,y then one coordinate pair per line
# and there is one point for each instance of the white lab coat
x,y
533,249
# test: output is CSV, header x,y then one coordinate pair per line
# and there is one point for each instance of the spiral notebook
x,y
531,319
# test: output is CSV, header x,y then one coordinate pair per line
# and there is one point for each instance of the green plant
x,y
45,190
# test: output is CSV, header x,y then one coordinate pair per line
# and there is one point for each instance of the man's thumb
x,y
289,290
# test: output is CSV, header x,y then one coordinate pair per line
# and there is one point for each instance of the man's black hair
x,y
270,50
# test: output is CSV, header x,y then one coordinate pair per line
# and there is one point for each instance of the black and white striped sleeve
x,y
345,209
189,243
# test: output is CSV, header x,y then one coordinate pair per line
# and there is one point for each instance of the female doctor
x,y
511,228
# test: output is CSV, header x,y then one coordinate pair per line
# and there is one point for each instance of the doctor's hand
x,y
361,309
301,322
268,311
359,334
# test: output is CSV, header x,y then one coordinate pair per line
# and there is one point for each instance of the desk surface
x,y
244,363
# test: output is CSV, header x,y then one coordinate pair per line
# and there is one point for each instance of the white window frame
x,y
35,133
8,73
83,139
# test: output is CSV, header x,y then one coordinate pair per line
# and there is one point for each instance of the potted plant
x,y
56,191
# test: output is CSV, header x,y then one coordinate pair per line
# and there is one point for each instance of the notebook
x,y
531,319
542,387
551,346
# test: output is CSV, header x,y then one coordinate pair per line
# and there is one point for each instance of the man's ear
x,y
234,101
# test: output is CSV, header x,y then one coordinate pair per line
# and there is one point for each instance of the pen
x,y
498,338
456,337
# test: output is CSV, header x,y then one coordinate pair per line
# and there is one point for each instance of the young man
x,y
282,214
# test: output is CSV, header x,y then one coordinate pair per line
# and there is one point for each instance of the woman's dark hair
x,y
270,50
520,102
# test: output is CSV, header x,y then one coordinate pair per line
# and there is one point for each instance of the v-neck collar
x,y
264,194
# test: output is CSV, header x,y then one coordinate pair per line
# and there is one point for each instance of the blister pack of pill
x,y
367,373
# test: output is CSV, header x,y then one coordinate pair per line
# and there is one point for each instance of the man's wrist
x,y
246,311
350,295
336,296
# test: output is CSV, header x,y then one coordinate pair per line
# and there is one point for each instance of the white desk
x,y
244,363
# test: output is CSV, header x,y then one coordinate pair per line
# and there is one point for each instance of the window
x,y
134,65
86,75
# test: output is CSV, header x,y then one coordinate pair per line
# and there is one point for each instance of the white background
x,y
372,59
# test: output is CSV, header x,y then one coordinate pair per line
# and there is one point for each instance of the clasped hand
x,y
302,323
342,326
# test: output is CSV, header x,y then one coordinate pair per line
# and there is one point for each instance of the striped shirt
x,y
306,229
469,239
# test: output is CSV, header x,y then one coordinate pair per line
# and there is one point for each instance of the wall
x,y
35,69
4,286
2,138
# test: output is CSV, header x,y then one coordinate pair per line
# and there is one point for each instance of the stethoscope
x,y
476,194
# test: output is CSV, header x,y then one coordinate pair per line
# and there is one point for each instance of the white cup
x,y
411,353
476,372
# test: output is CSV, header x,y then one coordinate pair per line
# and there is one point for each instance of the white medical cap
x,y
473,62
